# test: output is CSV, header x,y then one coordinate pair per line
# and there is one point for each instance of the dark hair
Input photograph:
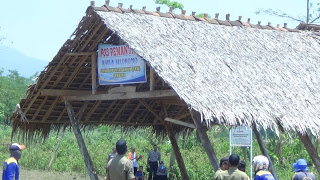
x,y
242,166
234,159
222,160
121,147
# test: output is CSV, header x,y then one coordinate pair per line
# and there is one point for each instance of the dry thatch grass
x,y
232,75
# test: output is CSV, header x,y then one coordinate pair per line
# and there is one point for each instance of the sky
x,y
38,28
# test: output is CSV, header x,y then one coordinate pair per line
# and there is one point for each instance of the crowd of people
x,y
121,167
231,168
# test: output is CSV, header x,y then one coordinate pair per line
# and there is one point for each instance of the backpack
x,y
306,177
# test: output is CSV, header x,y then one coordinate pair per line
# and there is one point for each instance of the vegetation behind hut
x,y
284,150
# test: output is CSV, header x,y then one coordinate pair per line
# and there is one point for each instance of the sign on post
x,y
119,65
242,136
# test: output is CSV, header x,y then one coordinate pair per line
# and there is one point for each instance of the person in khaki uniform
x,y
233,173
120,167
223,166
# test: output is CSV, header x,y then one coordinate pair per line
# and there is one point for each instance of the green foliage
x,y
12,89
169,3
101,139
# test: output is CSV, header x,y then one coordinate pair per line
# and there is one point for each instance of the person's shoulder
x,y
243,174
11,160
263,172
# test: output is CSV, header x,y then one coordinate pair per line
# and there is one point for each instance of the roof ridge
x,y
227,22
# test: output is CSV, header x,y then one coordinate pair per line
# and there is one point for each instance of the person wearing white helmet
x,y
261,164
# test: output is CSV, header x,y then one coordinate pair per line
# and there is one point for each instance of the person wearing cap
x,y
301,170
162,172
260,165
10,166
223,166
120,167
134,158
154,157
233,173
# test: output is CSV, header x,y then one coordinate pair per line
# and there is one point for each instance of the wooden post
x,y
83,149
263,149
56,149
177,153
152,79
311,150
202,132
94,72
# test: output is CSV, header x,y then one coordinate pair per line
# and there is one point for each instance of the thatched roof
x,y
230,71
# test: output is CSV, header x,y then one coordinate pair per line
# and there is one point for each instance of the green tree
x,y
12,89
174,4
312,13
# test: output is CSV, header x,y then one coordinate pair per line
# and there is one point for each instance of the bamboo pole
x,y
264,150
56,149
311,150
202,132
83,149
94,72
177,153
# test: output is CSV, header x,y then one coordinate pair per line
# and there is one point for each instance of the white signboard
x,y
119,65
240,136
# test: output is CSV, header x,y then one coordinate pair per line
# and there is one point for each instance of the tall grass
x,y
100,141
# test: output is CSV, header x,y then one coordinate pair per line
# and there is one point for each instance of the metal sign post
x,y
241,136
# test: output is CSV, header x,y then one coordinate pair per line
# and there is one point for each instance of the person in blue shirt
x,y
11,166
140,174
261,164
302,172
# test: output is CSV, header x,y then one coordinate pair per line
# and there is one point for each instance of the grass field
x,y
51,175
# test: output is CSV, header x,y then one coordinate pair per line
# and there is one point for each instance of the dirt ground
x,y
50,175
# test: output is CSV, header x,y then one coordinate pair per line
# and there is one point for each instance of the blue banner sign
x,y
119,65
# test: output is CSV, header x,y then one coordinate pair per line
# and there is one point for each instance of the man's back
x,y
233,173
303,176
120,168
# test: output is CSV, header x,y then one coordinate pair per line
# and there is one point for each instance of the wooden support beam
x,y
177,153
311,150
263,149
133,113
202,132
79,54
122,89
39,108
49,111
92,110
151,110
152,79
136,95
183,116
96,123
94,72
120,110
83,149
176,102
60,92
61,114
107,111
174,121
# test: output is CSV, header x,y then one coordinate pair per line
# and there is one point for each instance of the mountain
x,y
12,59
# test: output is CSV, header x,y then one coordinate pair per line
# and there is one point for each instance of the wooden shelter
x,y
200,72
